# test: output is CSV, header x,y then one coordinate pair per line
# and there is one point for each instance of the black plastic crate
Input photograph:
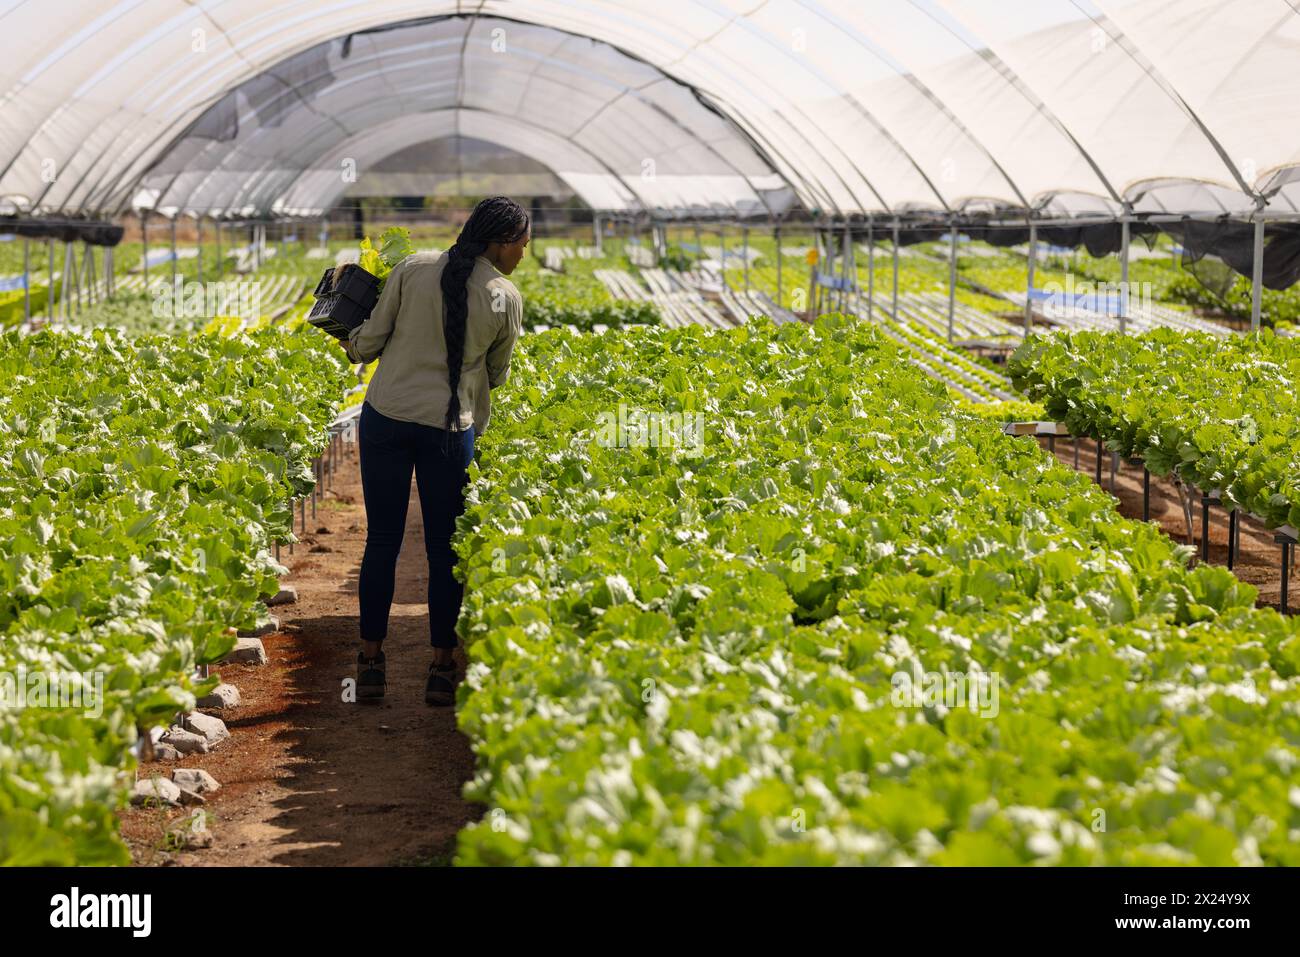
x,y
341,307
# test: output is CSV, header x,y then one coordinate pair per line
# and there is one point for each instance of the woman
x,y
445,325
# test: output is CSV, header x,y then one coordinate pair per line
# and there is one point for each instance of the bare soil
x,y
307,778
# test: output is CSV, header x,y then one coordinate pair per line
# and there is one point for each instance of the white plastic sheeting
x,y
614,129
457,167
1186,106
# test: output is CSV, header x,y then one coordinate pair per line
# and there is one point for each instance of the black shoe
x,y
370,676
440,688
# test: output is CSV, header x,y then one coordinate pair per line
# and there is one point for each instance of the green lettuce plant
x,y
689,652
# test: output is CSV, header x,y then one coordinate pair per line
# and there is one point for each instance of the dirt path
x,y
307,779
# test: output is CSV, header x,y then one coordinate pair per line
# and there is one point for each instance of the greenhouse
x,y
842,432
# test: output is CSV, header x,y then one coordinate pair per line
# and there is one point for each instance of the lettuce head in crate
x,y
346,294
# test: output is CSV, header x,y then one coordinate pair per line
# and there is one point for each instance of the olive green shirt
x,y
406,329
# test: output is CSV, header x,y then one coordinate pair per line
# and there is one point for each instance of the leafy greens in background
x,y
1220,412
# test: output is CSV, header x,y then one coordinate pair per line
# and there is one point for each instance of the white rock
x,y
270,628
248,651
212,729
287,595
156,790
165,752
195,779
186,742
223,696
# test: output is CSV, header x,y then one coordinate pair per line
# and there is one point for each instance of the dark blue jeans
x,y
390,450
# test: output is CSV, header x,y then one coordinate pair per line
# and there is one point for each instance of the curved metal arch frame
x,y
124,191
417,64
144,156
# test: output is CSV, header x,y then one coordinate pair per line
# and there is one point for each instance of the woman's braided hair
x,y
496,219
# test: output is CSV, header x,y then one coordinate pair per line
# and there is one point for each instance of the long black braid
x,y
496,219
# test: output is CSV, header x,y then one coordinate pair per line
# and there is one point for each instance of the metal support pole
x,y
871,268
175,262
722,246
776,238
88,264
744,241
835,295
595,224
699,245
78,269
27,279
1257,276
1232,538
1123,275
144,248
1286,567
848,269
844,272
814,287
1029,287
895,268
1099,453
1205,528
811,302
1146,494
49,291
198,232
952,277
66,297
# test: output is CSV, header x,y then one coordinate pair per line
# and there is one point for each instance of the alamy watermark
x,y
640,429
977,691
207,300
1078,299
83,691
74,909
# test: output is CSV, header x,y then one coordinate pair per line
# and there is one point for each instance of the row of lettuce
x,y
573,298
143,483
768,596
1218,412
144,478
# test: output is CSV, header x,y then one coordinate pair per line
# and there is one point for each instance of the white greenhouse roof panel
x,y
1076,106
